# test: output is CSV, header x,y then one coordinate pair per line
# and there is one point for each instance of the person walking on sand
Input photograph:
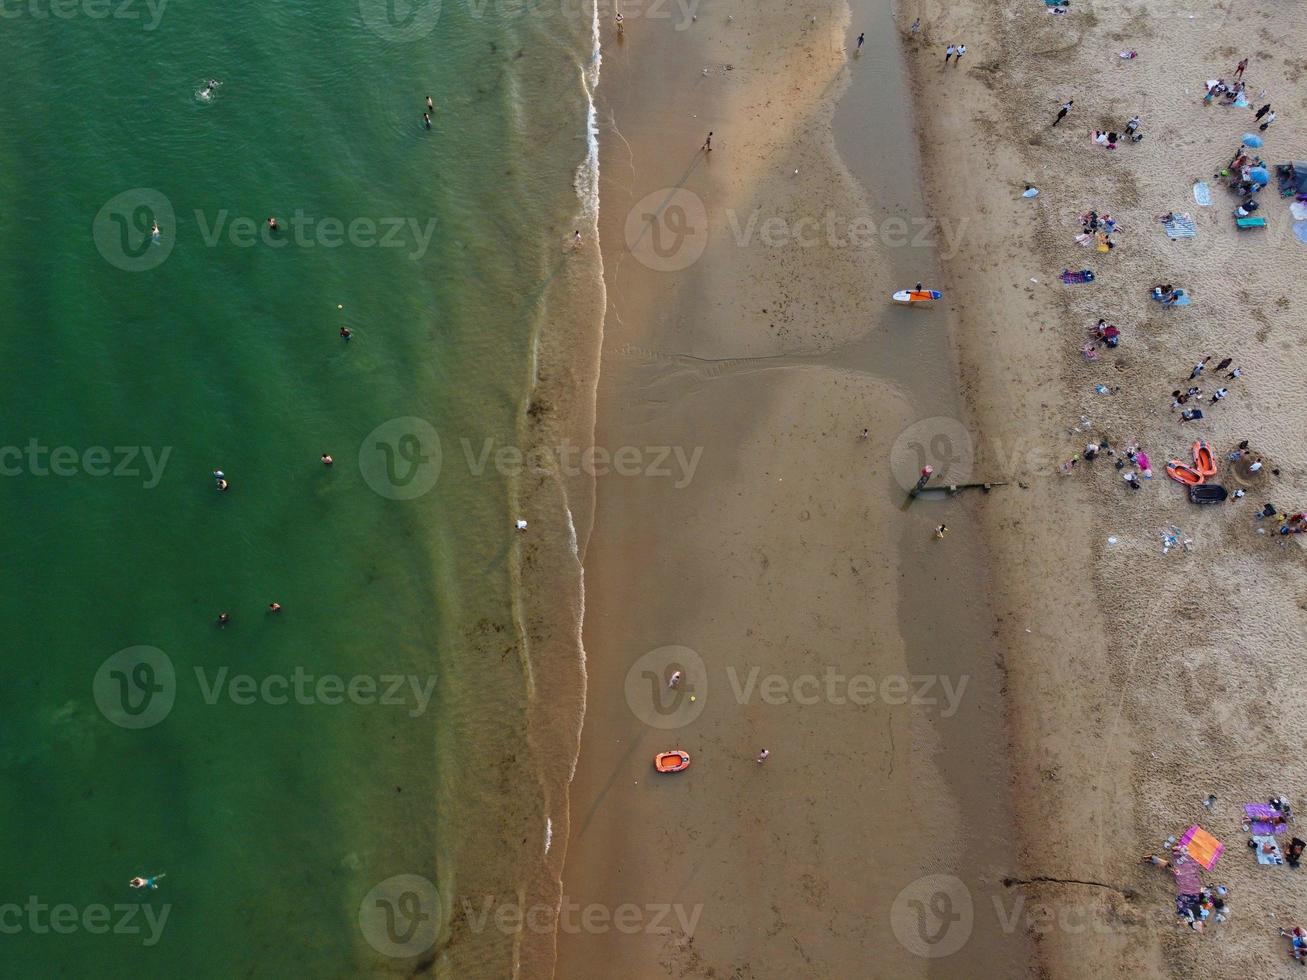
x,y
707,143
1061,113
916,26
962,49
1240,68
1262,111
940,532
861,37
948,53
1198,368
674,679
1270,118
762,756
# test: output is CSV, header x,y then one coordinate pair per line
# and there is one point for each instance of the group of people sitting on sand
x,y
1166,294
1110,138
1231,93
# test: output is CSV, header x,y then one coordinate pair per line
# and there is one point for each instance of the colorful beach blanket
x,y
1084,275
1180,226
1261,818
1203,194
1187,879
1202,846
1268,851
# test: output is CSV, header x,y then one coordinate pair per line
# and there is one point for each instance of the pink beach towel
x,y
1187,879
1202,846
1259,816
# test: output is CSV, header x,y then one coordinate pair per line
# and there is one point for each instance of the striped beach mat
x,y
1181,226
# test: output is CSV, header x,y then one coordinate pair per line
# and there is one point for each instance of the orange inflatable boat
x,y
673,761
1203,461
1184,473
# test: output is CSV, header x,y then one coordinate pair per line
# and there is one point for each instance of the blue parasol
x,y
1261,175
1253,140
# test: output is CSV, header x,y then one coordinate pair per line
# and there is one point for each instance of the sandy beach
x,y
810,611
1089,691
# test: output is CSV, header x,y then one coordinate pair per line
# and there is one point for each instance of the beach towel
x,y
1202,846
1187,879
1182,300
1298,210
1180,226
1084,275
1268,851
1261,819
1300,231
1203,194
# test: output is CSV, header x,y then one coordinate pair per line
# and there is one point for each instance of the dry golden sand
x,y
1138,682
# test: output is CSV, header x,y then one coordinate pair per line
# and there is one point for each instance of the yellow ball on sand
x,y
693,698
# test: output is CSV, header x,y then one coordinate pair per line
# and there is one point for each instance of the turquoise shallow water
x,y
271,820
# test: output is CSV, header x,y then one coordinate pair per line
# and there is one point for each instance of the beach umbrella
x,y
1253,140
1261,175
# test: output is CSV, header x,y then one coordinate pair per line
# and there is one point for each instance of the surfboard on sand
x,y
916,295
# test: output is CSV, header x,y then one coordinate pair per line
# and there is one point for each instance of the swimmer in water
x,y
272,224
327,460
274,607
223,619
431,106
154,230
150,882
426,118
223,485
346,333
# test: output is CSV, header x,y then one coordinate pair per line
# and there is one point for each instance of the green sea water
x,y
274,805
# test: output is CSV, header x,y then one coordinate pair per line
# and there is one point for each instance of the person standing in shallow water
x,y
707,143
